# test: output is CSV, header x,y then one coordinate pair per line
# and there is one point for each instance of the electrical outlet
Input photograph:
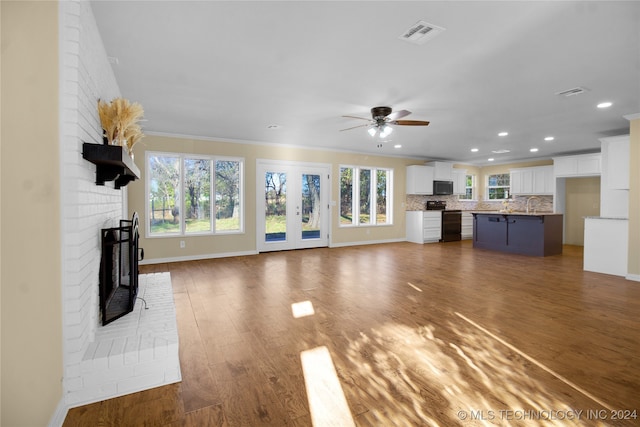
x,y
182,244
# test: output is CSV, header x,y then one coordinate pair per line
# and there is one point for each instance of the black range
x,y
451,220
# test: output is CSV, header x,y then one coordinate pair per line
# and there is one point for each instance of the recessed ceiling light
x,y
503,134
533,150
500,151
549,138
491,159
605,104
397,146
474,150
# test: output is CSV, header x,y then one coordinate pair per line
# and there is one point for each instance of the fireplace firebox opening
x,y
119,269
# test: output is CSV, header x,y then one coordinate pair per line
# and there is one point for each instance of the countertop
x,y
494,212
513,213
606,217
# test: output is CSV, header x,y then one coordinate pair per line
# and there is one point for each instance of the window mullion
x,y
355,196
181,208
212,195
373,197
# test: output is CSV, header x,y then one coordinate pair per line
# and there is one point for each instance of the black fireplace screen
x,y
119,269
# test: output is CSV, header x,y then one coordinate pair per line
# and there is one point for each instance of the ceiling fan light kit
x,y
379,125
381,131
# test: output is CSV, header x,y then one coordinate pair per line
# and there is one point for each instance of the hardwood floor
x,y
437,334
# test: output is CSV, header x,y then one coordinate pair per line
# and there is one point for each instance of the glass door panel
x,y
311,207
275,206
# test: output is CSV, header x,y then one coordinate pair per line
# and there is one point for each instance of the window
x,y
180,189
367,199
469,188
498,186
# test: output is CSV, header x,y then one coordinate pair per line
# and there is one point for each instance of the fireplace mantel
x,y
112,164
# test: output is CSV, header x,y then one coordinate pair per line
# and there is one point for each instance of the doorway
x,y
582,198
292,208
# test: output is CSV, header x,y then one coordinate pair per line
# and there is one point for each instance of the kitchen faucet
x,y
529,201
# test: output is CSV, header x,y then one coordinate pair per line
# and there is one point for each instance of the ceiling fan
x,y
383,118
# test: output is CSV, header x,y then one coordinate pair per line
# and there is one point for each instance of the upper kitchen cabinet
x,y
580,165
420,179
615,161
443,171
614,181
534,180
459,181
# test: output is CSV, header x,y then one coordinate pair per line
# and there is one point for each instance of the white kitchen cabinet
x,y
605,245
580,165
420,179
424,226
466,230
443,171
615,159
459,181
614,181
534,180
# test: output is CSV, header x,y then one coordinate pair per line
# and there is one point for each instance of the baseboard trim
x,y
366,242
60,414
634,277
246,253
196,257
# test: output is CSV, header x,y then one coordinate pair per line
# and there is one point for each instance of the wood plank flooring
x,y
419,335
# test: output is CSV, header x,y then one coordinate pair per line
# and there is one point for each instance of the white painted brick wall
x,y
85,77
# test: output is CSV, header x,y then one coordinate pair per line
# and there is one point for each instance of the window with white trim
x,y
498,186
191,194
366,196
469,188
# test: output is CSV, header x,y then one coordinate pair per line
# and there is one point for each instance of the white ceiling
x,y
230,69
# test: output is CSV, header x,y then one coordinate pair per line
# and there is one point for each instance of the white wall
x,y
85,76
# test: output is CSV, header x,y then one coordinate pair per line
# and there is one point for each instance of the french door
x,y
293,205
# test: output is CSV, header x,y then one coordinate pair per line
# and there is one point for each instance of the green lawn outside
x,y
196,226
278,224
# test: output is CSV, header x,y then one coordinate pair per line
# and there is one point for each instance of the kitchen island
x,y
520,233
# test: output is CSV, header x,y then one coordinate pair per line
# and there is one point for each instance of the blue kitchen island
x,y
519,233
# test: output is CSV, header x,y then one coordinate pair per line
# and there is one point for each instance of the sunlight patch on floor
x,y
414,287
538,364
302,309
327,403
452,373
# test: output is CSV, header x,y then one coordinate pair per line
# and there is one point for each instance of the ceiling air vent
x,y
570,92
421,32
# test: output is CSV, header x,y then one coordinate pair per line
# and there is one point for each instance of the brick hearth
x,y
136,352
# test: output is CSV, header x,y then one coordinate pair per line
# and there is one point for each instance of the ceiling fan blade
x,y
359,126
398,114
410,123
356,117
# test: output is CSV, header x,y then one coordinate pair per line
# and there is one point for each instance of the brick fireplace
x,y
139,350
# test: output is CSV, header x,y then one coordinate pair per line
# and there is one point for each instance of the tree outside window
x,y
164,194
498,186
366,200
227,184
469,187
180,189
346,196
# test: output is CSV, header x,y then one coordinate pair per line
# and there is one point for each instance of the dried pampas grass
x,y
119,119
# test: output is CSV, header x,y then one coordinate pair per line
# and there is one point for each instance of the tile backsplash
x,y
516,203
